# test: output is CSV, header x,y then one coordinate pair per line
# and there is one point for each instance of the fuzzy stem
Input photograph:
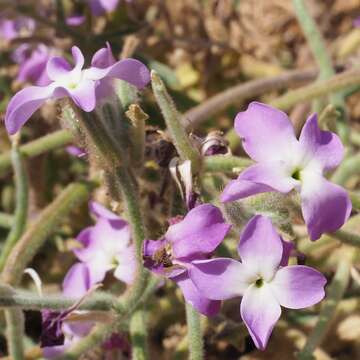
x,y
224,163
173,122
138,335
39,146
318,48
14,333
30,301
40,230
335,293
20,218
195,338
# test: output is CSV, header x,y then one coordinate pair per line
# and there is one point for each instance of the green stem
x,y
317,89
173,122
195,338
224,163
138,335
14,333
39,146
318,48
40,230
334,295
20,218
30,301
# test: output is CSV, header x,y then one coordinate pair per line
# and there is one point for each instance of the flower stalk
x,y
195,338
138,334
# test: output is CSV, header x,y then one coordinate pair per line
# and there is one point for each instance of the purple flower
x,y
193,238
100,7
83,86
76,151
13,28
285,163
107,246
260,279
75,20
32,63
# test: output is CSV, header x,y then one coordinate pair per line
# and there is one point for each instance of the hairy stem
x,y
173,123
335,293
138,335
195,338
39,146
14,333
224,163
40,230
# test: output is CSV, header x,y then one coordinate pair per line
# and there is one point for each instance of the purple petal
x,y
325,206
99,7
126,270
51,352
84,95
260,247
103,58
76,282
298,286
200,232
260,311
130,70
324,147
288,247
260,178
101,211
75,151
75,20
24,104
238,189
57,67
267,133
195,298
219,279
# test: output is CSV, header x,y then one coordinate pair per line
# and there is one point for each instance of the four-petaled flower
x,y
83,86
285,163
260,279
107,246
193,238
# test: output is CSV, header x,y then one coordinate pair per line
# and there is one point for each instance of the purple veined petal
x,y
57,67
325,206
126,270
298,286
200,232
130,70
220,279
267,133
76,282
323,147
260,311
260,247
84,95
260,178
239,189
103,58
24,104
195,297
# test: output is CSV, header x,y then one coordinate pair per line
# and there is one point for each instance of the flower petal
x,y
267,133
101,211
298,286
325,206
126,270
194,297
324,147
103,58
219,279
84,95
260,247
130,70
57,67
200,232
24,104
77,281
260,311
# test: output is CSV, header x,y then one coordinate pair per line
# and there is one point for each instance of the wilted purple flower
x,y
260,279
13,28
107,246
193,238
32,63
83,86
100,7
286,163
